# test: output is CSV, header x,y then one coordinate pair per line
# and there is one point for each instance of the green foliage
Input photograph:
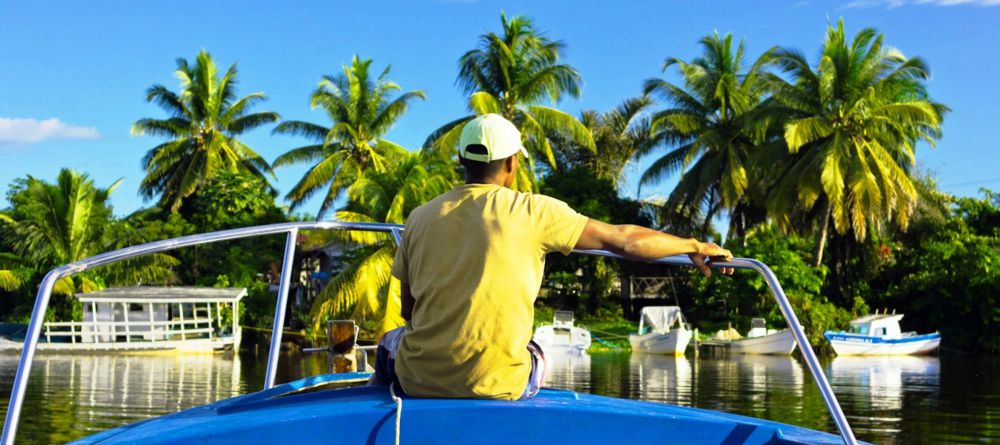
x,y
364,290
579,282
511,74
228,200
945,273
776,144
49,225
234,199
619,135
714,125
745,295
851,125
204,121
361,111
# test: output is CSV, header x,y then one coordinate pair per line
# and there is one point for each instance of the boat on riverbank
x,y
146,319
310,410
562,335
761,340
661,331
879,334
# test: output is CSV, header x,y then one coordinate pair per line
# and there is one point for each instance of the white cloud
x,y
27,131
891,4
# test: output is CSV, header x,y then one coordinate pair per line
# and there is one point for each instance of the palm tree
x,y
361,111
618,135
10,279
510,74
68,221
204,121
854,122
365,287
714,124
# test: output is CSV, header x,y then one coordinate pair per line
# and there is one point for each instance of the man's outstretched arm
x,y
641,243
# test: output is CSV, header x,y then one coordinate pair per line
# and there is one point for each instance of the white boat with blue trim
x,y
880,334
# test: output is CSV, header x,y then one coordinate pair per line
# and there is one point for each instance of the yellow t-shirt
x,y
474,259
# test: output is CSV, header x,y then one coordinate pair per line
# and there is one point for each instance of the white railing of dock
x,y
291,230
89,332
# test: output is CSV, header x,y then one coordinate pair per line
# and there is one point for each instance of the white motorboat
x,y
761,340
561,335
661,331
879,334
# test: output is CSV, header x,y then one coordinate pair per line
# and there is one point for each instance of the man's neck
x,y
487,181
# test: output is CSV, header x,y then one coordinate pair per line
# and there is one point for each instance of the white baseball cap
x,y
498,135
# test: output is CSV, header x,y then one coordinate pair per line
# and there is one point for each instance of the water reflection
x,y
661,378
883,381
762,373
70,396
954,399
567,369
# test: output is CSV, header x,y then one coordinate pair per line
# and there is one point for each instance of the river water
x,y
908,400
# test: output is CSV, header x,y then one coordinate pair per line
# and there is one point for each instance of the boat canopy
x,y
885,318
879,325
661,317
158,294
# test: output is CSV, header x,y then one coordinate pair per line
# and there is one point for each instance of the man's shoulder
x,y
430,207
540,202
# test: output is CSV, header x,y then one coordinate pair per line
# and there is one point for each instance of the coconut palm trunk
x,y
821,234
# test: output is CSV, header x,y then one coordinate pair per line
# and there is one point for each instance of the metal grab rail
x,y
829,398
291,230
45,291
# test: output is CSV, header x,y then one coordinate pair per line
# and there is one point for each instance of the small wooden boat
x,y
661,331
561,335
761,340
879,334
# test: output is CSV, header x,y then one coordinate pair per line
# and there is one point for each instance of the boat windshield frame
x,y
291,231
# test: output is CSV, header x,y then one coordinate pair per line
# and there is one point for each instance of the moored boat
x,y
761,340
661,331
879,334
562,335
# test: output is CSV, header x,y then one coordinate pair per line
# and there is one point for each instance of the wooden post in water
x,y
342,335
697,342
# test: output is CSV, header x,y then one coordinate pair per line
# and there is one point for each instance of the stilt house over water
x,y
183,319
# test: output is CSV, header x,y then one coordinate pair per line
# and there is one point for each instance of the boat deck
x,y
366,415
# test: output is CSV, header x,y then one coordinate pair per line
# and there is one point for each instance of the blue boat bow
x,y
365,415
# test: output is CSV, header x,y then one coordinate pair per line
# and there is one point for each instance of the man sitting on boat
x,y
471,263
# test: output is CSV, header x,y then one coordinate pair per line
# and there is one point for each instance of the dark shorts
x,y
385,363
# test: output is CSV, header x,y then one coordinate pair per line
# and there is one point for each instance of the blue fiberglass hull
x,y
366,415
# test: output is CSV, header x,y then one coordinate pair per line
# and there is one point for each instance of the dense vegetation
x,y
811,162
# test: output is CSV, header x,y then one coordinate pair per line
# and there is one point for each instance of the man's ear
x,y
508,164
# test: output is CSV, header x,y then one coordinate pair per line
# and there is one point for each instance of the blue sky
x,y
72,74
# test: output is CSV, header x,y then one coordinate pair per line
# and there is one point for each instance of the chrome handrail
x,y
291,230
